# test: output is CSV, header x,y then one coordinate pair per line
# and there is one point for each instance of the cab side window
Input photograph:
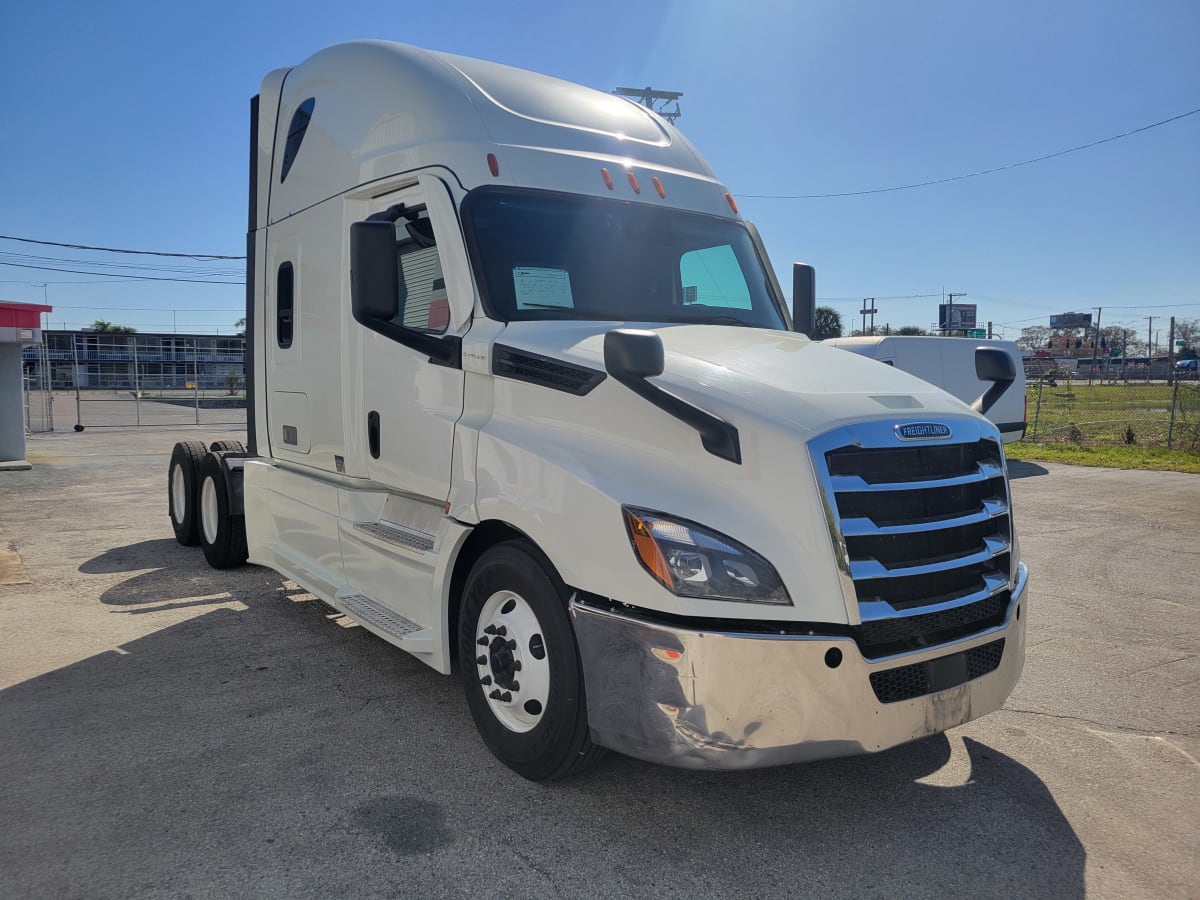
x,y
423,302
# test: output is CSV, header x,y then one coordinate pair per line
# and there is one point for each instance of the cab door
x,y
410,403
408,399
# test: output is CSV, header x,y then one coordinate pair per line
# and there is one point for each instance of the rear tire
x,y
227,446
527,696
222,535
183,491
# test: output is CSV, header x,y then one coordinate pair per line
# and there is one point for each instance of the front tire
x,y
222,535
520,665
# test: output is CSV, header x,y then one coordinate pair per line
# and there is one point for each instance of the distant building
x,y
101,359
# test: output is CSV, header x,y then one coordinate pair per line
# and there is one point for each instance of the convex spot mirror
x,y
633,353
993,364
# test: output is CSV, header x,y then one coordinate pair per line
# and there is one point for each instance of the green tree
x,y
110,328
827,323
240,323
911,330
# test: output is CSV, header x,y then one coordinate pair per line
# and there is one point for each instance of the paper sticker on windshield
x,y
542,288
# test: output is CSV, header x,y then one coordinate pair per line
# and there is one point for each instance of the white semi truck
x,y
526,401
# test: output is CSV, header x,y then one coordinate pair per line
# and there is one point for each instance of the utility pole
x,y
1171,352
868,307
1096,341
647,96
1149,341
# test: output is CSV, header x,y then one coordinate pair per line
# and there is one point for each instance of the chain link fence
x,y
1090,408
84,380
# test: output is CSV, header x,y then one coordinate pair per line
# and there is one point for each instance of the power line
x,y
122,276
198,256
1027,162
58,306
6,257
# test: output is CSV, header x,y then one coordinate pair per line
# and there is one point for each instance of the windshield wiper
x,y
719,320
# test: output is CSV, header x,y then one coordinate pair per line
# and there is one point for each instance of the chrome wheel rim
x,y
178,495
208,510
511,661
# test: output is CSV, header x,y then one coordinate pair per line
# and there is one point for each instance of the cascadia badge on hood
x,y
922,431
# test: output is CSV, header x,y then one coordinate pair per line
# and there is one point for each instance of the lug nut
x,y
501,630
491,629
506,697
485,680
516,685
495,694
482,660
516,665
483,642
511,645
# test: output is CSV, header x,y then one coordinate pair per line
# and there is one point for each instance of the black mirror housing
x,y
374,280
993,364
633,353
804,299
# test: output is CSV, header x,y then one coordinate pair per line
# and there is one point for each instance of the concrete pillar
x,y
12,409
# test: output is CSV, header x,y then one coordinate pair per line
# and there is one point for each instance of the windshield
x,y
543,255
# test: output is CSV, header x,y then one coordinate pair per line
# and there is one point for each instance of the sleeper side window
x,y
284,291
297,128
423,302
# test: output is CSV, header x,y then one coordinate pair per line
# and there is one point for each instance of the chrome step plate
x,y
379,616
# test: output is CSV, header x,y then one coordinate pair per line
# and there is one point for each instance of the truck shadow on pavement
x,y
1021,468
242,752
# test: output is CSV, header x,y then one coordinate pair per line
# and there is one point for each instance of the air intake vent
x,y
533,368
907,682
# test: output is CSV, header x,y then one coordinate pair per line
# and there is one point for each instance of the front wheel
x,y
520,665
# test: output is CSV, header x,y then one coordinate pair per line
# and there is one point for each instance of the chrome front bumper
x,y
721,700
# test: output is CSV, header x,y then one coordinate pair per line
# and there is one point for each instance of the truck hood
x,y
778,376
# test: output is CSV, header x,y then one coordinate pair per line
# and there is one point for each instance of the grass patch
x,y
1121,414
1114,457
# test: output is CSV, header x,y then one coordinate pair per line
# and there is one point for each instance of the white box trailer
x,y
525,403
949,362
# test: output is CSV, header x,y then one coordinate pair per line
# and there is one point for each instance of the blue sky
x,y
126,126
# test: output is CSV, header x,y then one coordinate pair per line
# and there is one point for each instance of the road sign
x,y
977,333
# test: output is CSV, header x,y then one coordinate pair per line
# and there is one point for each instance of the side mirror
x,y
633,353
804,299
994,365
374,281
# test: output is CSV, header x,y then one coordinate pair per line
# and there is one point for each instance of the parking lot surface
x,y
169,730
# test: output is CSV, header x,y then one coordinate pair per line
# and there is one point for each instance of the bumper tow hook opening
x,y
833,657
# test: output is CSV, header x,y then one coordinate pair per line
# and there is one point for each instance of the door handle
x,y
373,433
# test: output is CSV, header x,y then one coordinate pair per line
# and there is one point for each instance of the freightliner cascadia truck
x,y
525,399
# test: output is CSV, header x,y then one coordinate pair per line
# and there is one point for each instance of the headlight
x,y
692,561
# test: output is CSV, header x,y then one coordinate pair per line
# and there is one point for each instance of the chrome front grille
x,y
923,532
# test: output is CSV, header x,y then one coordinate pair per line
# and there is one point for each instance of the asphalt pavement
x,y
172,731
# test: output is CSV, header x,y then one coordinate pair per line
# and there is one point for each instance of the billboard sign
x,y
1071,320
956,317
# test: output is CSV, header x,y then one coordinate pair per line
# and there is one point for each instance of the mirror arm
x,y
445,350
989,397
719,437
